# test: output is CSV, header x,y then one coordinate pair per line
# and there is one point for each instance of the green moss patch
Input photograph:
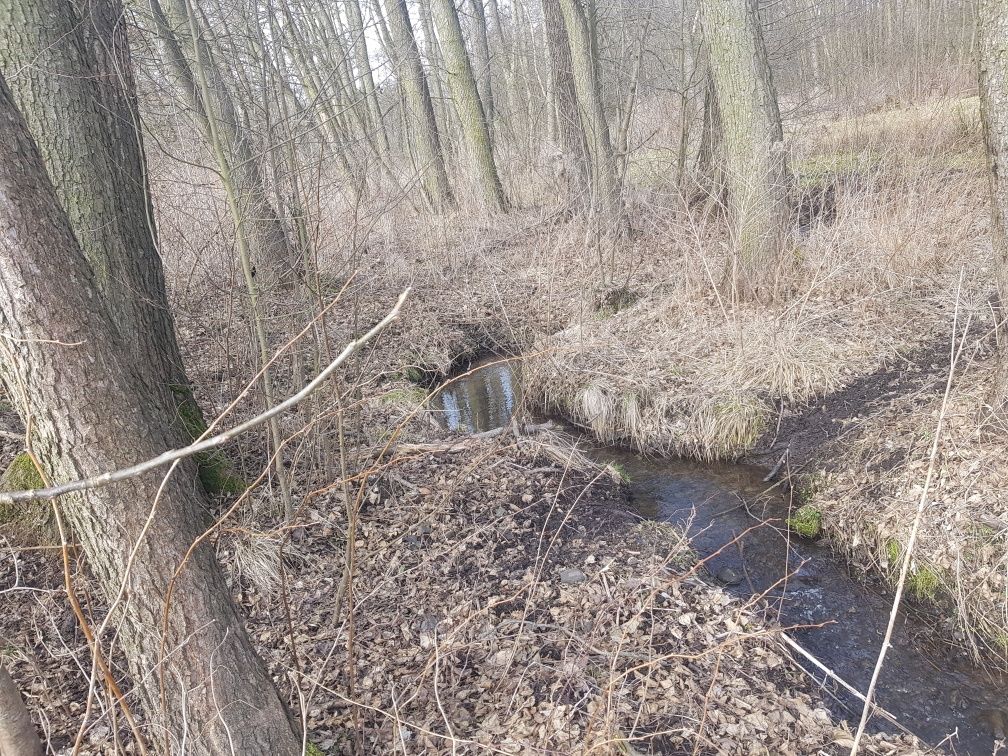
x,y
32,521
924,583
806,522
215,470
217,476
21,475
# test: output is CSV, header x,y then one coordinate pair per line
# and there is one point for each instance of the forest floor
x,y
506,600
503,600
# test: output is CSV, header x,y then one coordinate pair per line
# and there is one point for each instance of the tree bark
x,y
467,102
72,80
992,26
605,189
572,143
420,109
17,735
756,171
87,403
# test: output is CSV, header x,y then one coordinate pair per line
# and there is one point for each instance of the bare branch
x,y
211,443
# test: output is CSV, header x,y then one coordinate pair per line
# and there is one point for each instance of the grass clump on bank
x,y
687,370
806,521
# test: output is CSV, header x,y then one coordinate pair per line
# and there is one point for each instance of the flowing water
x,y
930,692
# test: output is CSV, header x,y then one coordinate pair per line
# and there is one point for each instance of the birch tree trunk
x,y
992,25
87,403
466,99
756,170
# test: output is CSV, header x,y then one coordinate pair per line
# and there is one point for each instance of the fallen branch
x,y
776,468
175,455
843,683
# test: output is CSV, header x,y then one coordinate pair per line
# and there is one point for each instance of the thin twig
x,y
843,683
918,516
168,457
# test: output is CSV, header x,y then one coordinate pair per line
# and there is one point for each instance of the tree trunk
x,y
992,25
87,403
572,145
87,128
17,735
364,73
267,235
605,190
710,175
420,109
755,166
482,55
466,99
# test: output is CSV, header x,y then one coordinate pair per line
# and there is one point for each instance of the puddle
x,y
931,694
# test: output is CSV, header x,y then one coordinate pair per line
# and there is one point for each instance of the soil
x,y
807,431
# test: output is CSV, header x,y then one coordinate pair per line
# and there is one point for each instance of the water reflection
x,y
481,401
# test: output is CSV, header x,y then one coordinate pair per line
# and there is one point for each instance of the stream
x,y
931,692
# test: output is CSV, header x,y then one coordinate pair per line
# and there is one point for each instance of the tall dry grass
x,y
687,370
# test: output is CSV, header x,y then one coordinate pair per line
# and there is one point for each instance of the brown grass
x,y
686,371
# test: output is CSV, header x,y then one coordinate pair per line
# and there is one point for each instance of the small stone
x,y
728,576
572,576
526,498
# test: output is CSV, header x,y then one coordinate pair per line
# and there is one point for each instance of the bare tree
x,y
365,75
570,135
585,67
993,28
756,170
481,54
90,410
422,125
187,53
468,104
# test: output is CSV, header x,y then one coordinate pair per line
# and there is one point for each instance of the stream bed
x,y
931,692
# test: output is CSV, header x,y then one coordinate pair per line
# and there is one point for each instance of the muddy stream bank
x,y
738,526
